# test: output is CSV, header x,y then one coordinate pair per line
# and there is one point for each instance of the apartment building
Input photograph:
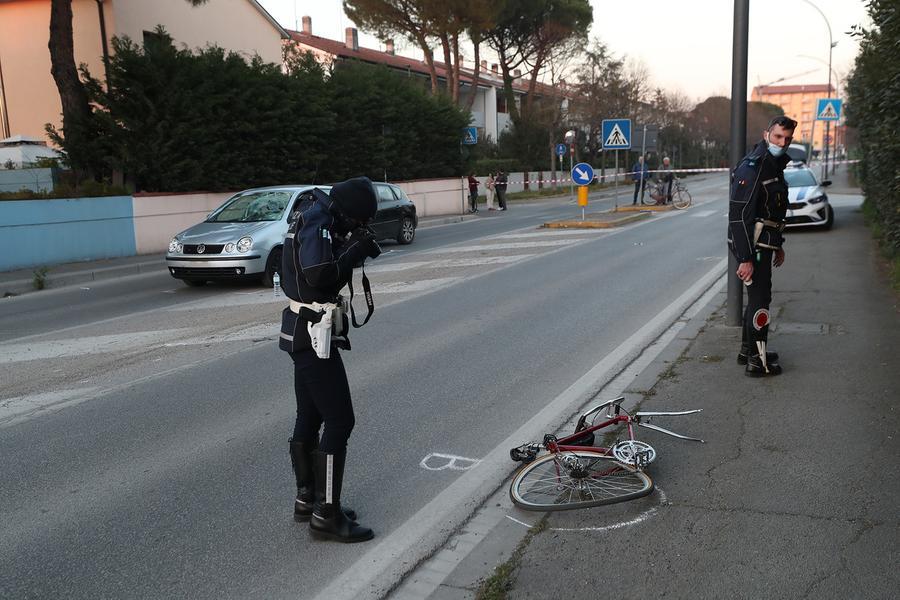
x,y
799,103
28,95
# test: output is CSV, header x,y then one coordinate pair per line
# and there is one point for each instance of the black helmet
x,y
355,199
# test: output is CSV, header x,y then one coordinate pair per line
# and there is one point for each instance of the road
x,y
144,424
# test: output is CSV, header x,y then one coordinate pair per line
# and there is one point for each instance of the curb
x,y
650,208
24,286
596,224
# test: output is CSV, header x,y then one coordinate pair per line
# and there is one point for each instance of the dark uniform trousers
x,y
323,395
758,198
759,297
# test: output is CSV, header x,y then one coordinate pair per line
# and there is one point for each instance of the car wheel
x,y
273,265
407,231
829,220
195,282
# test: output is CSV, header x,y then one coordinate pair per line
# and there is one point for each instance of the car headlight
x,y
817,199
244,244
229,247
175,246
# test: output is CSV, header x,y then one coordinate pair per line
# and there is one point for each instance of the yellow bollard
x,y
582,195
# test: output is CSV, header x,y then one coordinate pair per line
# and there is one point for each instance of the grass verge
x,y
498,585
893,260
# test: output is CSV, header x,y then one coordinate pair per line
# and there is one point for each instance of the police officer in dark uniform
x,y
759,201
327,238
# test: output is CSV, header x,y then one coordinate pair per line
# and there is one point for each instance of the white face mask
x,y
774,150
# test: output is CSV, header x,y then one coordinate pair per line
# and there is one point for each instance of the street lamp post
x,y
831,45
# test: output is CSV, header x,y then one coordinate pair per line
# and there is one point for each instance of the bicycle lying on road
x,y
681,197
577,474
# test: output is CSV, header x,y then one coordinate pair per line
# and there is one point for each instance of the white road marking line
x,y
231,299
98,344
481,260
264,331
420,285
24,405
703,213
379,568
390,268
448,461
488,247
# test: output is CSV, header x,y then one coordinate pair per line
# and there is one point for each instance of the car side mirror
x,y
826,183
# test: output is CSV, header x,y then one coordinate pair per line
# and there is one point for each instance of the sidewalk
x,y
794,493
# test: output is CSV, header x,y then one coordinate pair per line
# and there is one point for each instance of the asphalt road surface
x,y
144,424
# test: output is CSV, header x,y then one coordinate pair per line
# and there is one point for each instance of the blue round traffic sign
x,y
582,173
561,149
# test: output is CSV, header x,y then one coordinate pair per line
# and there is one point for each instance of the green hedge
x,y
873,108
176,120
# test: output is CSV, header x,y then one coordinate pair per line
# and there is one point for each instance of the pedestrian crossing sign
x,y
616,134
828,109
470,136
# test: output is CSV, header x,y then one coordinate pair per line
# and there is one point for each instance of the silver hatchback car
x,y
243,237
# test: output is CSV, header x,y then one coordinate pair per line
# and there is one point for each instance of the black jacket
x,y
758,192
316,262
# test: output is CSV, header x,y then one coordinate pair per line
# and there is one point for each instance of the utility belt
x,y
325,320
768,234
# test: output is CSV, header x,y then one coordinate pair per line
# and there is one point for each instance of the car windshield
x,y
799,178
252,207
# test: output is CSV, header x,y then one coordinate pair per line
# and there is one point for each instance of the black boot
x,y
328,521
301,460
746,351
756,368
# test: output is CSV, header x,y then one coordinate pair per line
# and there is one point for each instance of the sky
x,y
685,45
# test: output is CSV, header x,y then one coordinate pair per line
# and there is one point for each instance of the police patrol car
x,y
808,203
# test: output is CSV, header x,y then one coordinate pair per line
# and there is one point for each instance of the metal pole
x,y
4,108
616,180
735,303
831,45
644,163
571,166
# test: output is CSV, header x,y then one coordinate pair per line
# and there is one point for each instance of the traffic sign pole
x,y
571,167
616,179
644,160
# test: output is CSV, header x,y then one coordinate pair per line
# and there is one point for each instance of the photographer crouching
x,y
327,239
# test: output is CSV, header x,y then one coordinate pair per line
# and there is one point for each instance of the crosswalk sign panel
x,y
616,134
828,109
470,137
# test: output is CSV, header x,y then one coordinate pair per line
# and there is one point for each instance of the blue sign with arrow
x,y
582,173
616,134
561,149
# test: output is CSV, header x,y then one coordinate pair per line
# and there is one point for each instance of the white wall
x,y
158,218
235,25
434,197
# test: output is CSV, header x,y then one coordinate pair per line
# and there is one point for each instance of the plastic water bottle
x,y
277,281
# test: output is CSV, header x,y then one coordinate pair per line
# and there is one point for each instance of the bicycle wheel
x,y
681,198
651,193
578,479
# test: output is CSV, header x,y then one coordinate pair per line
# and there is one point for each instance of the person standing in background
x,y
489,190
638,175
473,193
500,186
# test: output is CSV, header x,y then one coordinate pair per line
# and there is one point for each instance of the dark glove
x,y
366,238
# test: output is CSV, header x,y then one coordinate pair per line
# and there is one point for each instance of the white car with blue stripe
x,y
808,203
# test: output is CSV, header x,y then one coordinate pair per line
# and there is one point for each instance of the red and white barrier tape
x,y
610,177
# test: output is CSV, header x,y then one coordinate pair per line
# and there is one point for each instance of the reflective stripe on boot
x,y
301,461
328,521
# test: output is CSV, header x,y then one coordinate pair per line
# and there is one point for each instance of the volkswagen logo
x,y
201,249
